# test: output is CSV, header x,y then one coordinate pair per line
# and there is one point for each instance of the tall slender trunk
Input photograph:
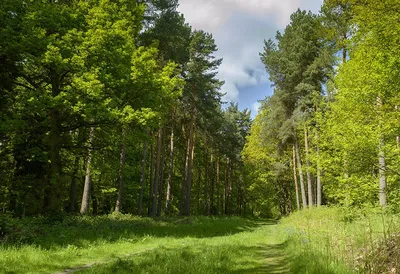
x,y
88,177
189,177
309,180
72,188
142,178
184,178
218,186
382,162
211,209
161,184
206,206
170,174
319,184
295,179
156,175
198,188
151,175
382,175
118,203
299,166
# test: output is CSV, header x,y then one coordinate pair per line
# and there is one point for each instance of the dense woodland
x,y
116,106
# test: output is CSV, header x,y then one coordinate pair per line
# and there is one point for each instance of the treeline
x,y
329,133
114,106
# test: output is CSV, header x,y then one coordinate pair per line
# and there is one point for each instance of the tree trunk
x,y
151,177
211,209
189,177
88,177
161,184
382,176
118,203
206,207
170,174
299,166
184,176
309,180
295,179
95,204
52,195
142,178
156,175
217,186
319,185
72,188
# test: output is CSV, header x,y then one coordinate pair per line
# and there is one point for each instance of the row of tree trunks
x,y
309,182
300,169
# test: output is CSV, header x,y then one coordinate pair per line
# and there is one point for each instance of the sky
x,y
239,28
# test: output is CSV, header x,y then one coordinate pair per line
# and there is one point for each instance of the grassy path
x,y
127,244
257,249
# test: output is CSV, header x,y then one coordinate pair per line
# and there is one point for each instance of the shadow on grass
x,y
224,258
79,231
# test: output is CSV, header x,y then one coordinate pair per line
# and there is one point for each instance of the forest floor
x,y
322,240
127,244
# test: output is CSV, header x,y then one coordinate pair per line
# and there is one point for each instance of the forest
x,y
113,123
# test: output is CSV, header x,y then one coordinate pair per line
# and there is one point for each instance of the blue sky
x,y
239,28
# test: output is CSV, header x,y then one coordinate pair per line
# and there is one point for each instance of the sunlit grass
x,y
337,240
122,243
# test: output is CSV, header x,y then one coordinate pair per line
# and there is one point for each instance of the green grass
x,y
120,243
323,240
342,240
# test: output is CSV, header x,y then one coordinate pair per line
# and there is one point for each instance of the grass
x,y
342,240
121,243
322,240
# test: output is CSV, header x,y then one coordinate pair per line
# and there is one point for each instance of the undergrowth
x,y
343,240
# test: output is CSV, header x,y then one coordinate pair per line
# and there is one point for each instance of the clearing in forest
x,y
125,244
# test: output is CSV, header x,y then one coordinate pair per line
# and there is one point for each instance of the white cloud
x,y
239,28
256,107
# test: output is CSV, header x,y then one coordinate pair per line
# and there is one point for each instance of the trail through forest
x,y
257,249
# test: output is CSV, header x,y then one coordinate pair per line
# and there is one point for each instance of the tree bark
x,y
295,179
72,188
218,186
52,195
184,180
299,166
88,177
142,178
170,174
189,177
206,206
319,184
382,176
156,175
151,176
161,184
118,203
211,209
309,180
